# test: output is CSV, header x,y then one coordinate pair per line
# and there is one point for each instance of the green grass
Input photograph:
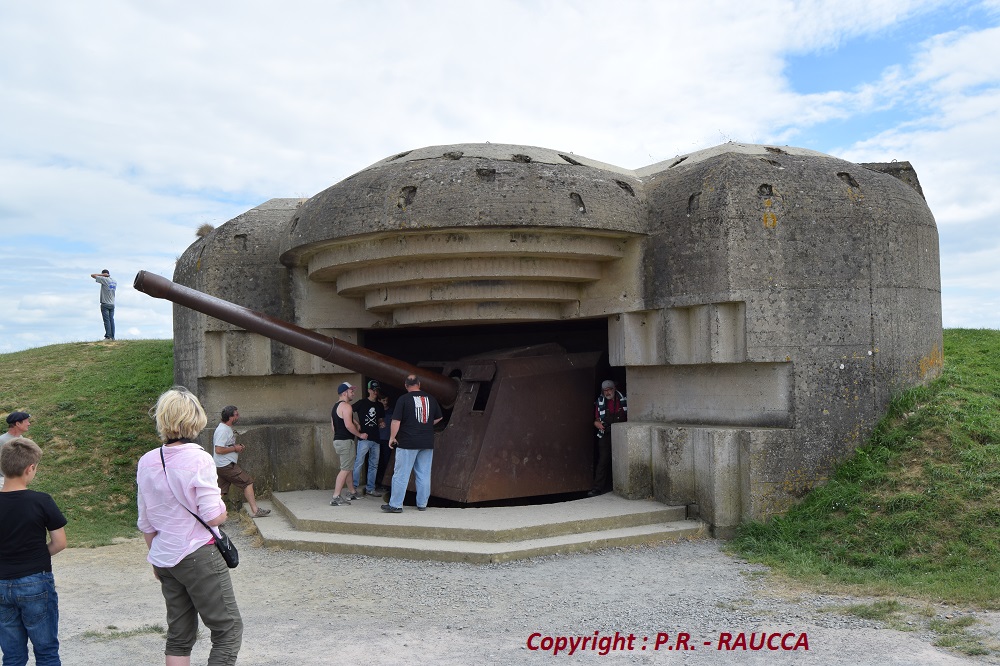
x,y
89,406
916,511
954,634
879,610
114,633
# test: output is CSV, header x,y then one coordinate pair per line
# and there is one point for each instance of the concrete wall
x,y
798,292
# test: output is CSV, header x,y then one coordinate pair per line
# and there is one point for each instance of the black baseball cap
x,y
373,385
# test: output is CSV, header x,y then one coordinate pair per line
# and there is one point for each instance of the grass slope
x,y
89,405
917,510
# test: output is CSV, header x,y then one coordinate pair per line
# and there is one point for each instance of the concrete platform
x,y
304,520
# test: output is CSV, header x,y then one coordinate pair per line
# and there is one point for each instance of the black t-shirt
x,y
369,414
416,412
26,518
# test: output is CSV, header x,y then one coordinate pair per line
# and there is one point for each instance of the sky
x,y
126,125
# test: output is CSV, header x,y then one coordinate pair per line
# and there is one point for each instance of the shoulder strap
x,y
197,517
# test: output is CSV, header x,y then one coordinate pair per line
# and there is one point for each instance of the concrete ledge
x,y
303,520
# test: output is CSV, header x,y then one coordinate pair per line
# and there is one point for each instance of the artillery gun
x,y
517,421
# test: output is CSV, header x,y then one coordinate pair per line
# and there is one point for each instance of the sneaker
x,y
261,513
421,508
370,493
391,509
354,496
339,501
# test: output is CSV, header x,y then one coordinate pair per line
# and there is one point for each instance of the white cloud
x,y
128,124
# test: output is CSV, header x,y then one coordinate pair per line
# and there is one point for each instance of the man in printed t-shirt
x,y
412,436
371,417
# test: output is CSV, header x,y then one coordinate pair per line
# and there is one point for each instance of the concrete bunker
x,y
760,304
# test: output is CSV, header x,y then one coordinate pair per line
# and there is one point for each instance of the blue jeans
x,y
108,315
29,609
369,446
419,462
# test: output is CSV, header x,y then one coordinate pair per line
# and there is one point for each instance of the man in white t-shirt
x,y
226,454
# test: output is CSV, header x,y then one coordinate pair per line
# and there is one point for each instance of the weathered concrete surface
x,y
764,303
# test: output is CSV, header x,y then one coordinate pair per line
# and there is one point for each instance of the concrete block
x,y
327,462
673,465
236,353
637,338
718,475
276,398
631,458
709,333
748,394
708,468
293,456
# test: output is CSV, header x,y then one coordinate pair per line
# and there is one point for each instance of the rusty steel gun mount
x,y
518,422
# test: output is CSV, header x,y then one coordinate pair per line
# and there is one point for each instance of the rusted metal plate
x,y
532,437
478,372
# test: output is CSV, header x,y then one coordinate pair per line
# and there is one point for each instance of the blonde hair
x,y
179,415
18,455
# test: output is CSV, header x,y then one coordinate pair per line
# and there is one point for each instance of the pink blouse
x,y
193,481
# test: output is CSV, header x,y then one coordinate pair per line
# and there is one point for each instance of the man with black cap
x,y
371,416
17,424
611,407
108,286
344,431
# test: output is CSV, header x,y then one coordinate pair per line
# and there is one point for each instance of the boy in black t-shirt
x,y
27,588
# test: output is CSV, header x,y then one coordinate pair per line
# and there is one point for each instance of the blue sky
x,y
126,125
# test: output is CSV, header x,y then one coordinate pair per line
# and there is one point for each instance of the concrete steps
x,y
304,520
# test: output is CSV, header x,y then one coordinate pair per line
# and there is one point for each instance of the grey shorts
x,y
346,450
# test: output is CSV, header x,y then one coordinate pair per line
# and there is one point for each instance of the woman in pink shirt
x,y
173,479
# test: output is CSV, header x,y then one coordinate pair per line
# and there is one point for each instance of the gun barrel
x,y
383,368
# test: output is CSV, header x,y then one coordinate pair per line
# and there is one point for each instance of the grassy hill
x,y
89,404
916,512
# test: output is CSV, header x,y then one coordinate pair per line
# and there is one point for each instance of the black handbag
x,y
222,541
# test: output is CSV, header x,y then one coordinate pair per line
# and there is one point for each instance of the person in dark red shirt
x,y
611,407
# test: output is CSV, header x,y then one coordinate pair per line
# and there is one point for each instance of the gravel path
x,y
302,608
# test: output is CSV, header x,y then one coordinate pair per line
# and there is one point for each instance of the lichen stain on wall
x,y
932,363
797,483
770,218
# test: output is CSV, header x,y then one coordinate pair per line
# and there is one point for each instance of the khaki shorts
x,y
347,450
232,474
